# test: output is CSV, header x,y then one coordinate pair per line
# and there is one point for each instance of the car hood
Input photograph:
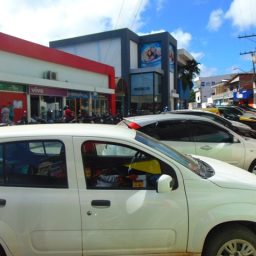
x,y
229,176
239,124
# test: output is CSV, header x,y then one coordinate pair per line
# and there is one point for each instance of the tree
x,y
192,96
188,72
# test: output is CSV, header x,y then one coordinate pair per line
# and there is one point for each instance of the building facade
x,y
40,80
237,90
145,66
204,88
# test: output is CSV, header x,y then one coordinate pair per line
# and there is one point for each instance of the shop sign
x,y
243,94
12,87
47,91
78,94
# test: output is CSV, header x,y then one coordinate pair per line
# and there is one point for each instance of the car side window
x,y
33,164
115,166
168,130
208,132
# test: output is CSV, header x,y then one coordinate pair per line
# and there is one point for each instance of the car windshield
x,y
194,164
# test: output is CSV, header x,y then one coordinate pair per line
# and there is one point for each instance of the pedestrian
x,y
5,112
11,113
68,114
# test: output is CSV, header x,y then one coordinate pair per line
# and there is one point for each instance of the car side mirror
x,y
165,184
236,140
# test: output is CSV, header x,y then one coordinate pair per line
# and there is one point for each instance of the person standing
x,y
68,114
11,112
5,112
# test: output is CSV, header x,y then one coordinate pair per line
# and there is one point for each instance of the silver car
x,y
197,135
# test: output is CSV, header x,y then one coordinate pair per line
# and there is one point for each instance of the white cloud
x,y
160,5
242,13
215,20
207,71
197,55
183,38
44,21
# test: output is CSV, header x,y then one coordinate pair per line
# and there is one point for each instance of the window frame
x,y
30,175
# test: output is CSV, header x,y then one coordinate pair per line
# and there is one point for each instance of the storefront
x,y
41,81
47,103
244,96
15,95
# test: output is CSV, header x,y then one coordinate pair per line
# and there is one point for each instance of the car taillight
x,y
134,126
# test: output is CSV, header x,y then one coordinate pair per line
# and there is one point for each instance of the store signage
x,y
243,94
12,87
47,91
79,94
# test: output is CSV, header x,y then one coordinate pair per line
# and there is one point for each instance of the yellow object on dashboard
x,y
149,166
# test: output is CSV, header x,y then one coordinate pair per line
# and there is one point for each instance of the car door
x,y
216,142
173,133
39,204
129,218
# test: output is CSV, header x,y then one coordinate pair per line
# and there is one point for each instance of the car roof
x,y
193,111
148,119
93,130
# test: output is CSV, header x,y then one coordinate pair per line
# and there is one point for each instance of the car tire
x,y
234,240
252,167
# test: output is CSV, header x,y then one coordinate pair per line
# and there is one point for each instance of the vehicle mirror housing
x,y
236,140
164,184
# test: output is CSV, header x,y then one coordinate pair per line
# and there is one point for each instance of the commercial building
x,y
145,66
237,90
204,88
41,80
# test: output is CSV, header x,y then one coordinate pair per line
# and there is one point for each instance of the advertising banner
x,y
151,55
171,58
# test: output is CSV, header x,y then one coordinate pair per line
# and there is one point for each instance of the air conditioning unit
x,y
50,75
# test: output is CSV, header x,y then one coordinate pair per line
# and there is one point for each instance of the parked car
x,y
237,127
237,114
247,107
198,135
155,200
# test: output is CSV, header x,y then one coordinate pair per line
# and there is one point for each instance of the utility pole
x,y
253,55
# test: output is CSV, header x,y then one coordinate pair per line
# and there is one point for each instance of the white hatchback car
x,y
86,189
197,135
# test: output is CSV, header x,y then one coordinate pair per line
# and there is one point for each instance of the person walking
x,y
5,112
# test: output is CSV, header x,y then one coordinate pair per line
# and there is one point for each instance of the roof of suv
x,y
148,119
99,130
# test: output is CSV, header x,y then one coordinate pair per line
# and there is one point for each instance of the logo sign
x,y
47,91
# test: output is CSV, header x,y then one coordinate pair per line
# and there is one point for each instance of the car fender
x,y
8,239
201,223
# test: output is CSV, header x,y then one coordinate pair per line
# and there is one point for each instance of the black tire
x,y
252,167
234,240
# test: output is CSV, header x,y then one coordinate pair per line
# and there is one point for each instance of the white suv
x,y
191,134
86,189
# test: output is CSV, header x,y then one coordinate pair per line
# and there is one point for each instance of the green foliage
x,y
188,72
192,96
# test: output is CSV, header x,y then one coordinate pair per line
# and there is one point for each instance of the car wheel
x,y
252,167
236,240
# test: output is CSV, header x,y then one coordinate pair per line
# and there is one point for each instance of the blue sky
x,y
208,29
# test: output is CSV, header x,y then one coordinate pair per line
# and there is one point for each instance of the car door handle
x,y
2,202
206,147
100,203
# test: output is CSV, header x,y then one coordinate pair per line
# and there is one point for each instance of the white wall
x,y
27,70
104,51
133,55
